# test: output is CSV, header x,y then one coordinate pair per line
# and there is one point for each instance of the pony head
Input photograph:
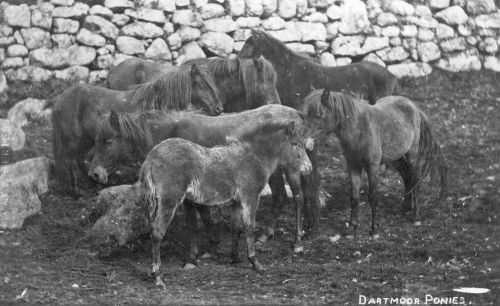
x,y
329,112
204,94
120,144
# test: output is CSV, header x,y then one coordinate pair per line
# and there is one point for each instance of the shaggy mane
x,y
340,106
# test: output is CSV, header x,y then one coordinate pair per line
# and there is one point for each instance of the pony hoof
x,y
298,249
207,255
417,223
189,266
159,283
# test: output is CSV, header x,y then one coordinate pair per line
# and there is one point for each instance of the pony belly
x,y
208,195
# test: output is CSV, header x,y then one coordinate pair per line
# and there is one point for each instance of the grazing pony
x,y
134,71
123,140
393,131
76,111
178,169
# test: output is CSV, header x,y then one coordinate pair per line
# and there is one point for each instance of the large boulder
x,y
187,17
188,33
101,26
217,42
119,5
73,74
289,34
413,70
151,15
190,51
453,15
354,19
20,185
35,38
62,57
492,63
428,51
17,15
287,8
488,21
42,16
358,45
464,61
63,25
12,134
158,50
311,31
236,7
142,30
130,45
477,7
29,109
29,73
221,25
121,217
89,38
102,11
396,54
17,50
453,44
211,10
78,10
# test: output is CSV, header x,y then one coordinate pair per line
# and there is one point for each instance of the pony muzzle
x,y
99,174
305,167
309,143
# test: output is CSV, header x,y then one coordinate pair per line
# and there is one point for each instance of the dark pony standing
x,y
393,131
125,139
297,76
178,169
134,71
76,111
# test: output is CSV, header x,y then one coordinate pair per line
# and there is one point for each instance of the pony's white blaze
x,y
102,174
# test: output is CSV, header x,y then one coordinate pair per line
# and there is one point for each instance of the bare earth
x,y
458,244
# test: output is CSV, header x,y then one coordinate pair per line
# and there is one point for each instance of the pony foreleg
x,y
311,194
373,178
236,228
277,185
355,178
73,174
248,212
206,217
192,225
298,199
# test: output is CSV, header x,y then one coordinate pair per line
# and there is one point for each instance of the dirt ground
x,y
458,244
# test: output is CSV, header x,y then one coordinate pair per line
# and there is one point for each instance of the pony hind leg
x,y
159,222
298,199
277,185
206,217
192,228
248,212
236,230
355,179
373,179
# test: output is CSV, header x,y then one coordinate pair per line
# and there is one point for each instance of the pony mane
x,y
248,73
134,127
340,106
167,91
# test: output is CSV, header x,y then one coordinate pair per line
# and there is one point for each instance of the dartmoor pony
x,y
178,169
76,111
134,71
393,131
241,83
297,76
125,139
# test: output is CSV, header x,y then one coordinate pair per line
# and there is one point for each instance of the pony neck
x,y
164,127
267,148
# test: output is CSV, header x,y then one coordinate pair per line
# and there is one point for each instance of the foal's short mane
x,y
260,129
340,106
167,91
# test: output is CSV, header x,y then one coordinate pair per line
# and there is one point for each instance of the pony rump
x,y
168,91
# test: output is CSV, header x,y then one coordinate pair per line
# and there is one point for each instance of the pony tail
x,y
150,194
325,96
430,156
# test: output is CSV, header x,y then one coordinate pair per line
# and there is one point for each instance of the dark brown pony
x,y
297,77
178,169
125,139
134,71
76,111
394,131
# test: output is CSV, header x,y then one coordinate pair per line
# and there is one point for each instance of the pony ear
x,y
312,88
325,96
195,71
256,32
258,64
302,115
114,121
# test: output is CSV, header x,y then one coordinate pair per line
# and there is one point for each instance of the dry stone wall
x,y
67,39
